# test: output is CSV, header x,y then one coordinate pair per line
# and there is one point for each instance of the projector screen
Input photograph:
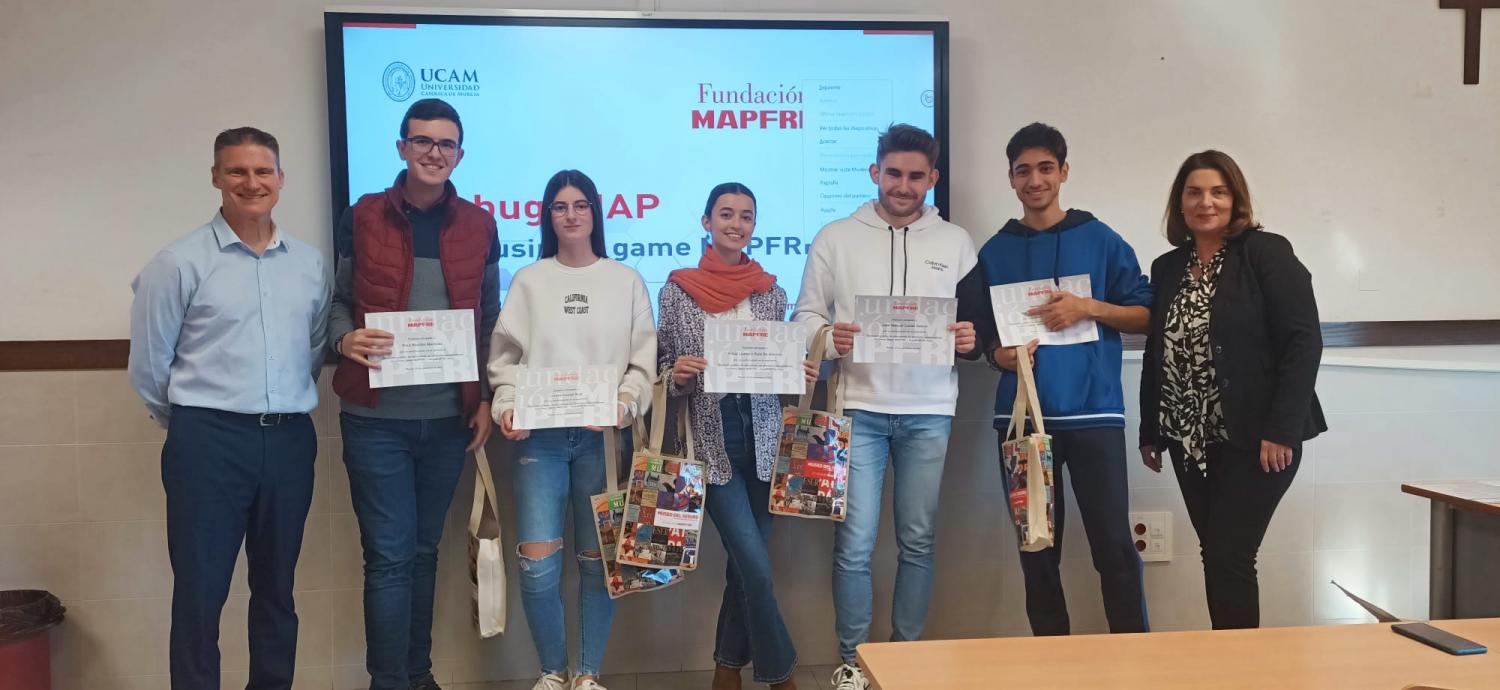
x,y
656,111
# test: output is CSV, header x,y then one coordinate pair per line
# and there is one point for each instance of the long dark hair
x,y
581,182
1241,214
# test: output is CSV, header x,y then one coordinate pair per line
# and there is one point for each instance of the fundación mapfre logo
x,y
401,82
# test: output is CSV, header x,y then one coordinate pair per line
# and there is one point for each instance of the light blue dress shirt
x,y
213,325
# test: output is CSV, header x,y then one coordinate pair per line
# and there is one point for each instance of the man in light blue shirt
x,y
227,332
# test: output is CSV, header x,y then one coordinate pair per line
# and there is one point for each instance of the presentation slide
x,y
656,115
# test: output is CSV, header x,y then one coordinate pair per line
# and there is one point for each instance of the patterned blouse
x,y
680,332
1190,409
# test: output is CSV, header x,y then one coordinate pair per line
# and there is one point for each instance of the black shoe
x,y
425,683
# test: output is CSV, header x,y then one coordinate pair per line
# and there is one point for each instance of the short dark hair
x,y
432,109
903,137
1037,136
581,182
240,136
721,190
1241,214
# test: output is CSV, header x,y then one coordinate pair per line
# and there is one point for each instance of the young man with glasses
x,y
416,246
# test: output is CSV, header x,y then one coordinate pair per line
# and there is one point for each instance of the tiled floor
x,y
808,678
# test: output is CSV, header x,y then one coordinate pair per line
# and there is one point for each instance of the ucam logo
x,y
399,81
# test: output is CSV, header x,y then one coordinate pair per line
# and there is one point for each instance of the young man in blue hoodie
x,y
1078,385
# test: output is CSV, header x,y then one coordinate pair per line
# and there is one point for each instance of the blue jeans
x,y
401,479
914,445
228,480
750,624
558,470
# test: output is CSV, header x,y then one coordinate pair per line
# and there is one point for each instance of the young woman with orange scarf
x,y
736,434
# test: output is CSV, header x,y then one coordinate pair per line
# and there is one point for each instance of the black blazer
x,y
1265,337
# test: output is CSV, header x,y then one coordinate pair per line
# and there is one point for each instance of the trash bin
x,y
25,648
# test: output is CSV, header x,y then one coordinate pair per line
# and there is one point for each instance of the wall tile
x,y
125,560
43,557
1285,598
103,640
1374,515
1372,446
109,411
121,481
37,407
40,484
1175,597
1452,446
315,563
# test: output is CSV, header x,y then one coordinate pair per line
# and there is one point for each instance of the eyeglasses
x,y
422,145
579,207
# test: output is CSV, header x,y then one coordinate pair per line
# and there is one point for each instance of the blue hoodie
x,y
1078,385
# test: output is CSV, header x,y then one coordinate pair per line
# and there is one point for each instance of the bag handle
x,y
1026,399
612,451
659,421
658,413
1017,427
1023,367
484,491
835,382
611,459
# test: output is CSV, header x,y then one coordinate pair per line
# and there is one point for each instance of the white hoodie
x,y
863,255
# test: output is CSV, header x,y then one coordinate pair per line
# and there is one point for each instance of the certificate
x,y
754,356
1012,300
904,330
567,396
430,347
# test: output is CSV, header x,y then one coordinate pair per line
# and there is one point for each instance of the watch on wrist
x,y
989,356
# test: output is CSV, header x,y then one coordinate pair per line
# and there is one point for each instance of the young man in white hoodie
x,y
902,414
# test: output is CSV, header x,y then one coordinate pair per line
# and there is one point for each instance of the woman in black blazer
x,y
1227,378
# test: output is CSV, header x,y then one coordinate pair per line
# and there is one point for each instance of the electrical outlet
x,y
1152,534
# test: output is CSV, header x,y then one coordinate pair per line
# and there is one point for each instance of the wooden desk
x,y
1366,657
1465,548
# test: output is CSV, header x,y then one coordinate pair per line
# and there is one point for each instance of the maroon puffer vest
x,y
383,260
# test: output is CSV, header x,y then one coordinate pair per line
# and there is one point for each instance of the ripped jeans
x,y
557,471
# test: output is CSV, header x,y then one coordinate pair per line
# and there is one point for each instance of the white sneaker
x,y
587,684
849,677
551,681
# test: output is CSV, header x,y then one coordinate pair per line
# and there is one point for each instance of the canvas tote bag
x,y
486,553
609,513
811,475
665,495
1026,460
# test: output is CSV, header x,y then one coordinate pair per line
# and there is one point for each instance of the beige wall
x,y
81,514
1349,117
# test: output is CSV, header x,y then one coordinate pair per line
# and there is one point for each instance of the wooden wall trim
x,y
82,355
63,355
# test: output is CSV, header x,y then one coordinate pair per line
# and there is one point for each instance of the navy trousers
x,y
230,479
1094,461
